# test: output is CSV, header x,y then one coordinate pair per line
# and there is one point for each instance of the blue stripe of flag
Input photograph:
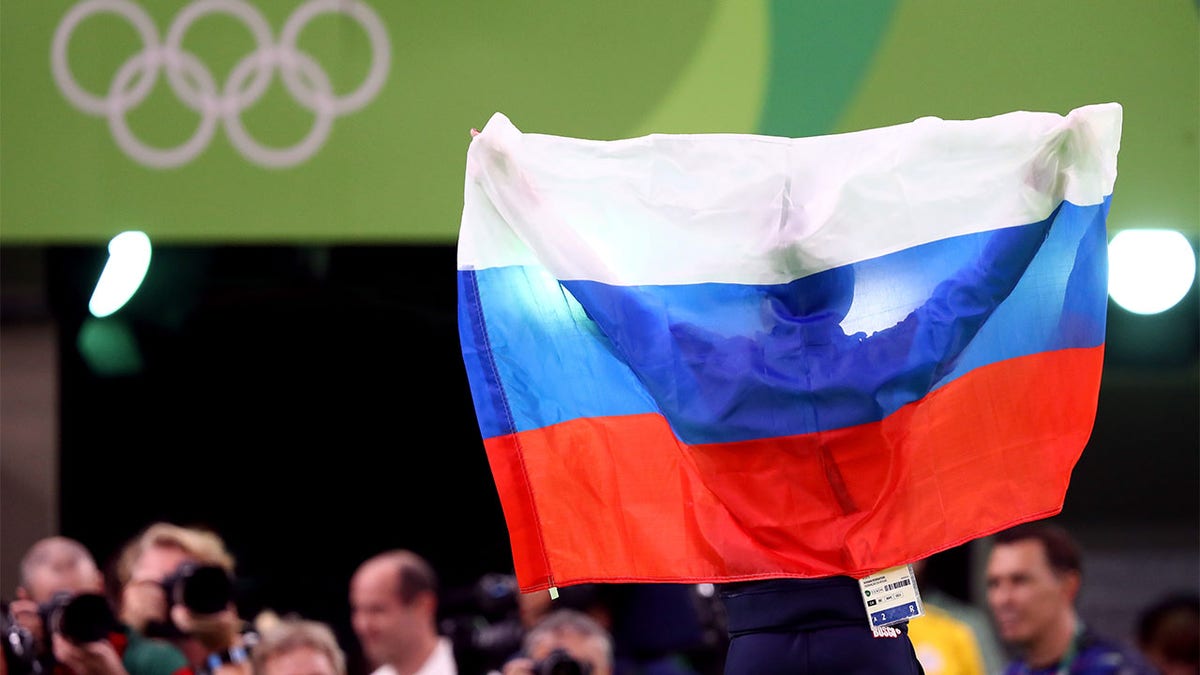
x,y
730,362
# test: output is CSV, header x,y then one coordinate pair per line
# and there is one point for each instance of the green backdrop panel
x,y
229,149
326,121
955,60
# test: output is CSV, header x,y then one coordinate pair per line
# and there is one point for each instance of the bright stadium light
x,y
1149,271
128,260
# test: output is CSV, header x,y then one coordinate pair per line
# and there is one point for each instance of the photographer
x,y
177,584
564,642
72,629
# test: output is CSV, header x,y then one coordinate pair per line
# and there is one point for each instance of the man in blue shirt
x,y
1033,578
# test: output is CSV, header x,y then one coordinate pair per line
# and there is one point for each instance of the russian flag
x,y
721,357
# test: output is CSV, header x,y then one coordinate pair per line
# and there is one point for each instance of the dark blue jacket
x,y
810,626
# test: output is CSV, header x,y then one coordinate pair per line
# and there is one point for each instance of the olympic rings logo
x,y
192,82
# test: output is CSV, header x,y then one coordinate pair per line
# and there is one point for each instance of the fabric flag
x,y
720,357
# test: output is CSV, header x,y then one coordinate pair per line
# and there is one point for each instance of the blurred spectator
x,y
51,565
589,599
945,645
1034,574
393,605
1168,633
298,647
656,628
61,602
149,558
176,583
952,636
564,641
659,629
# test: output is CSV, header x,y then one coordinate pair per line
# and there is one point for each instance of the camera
x,y
559,662
203,589
20,651
482,621
81,618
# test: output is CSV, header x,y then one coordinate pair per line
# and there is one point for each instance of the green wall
x,y
229,151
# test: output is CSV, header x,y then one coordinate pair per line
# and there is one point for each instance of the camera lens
x,y
203,589
84,618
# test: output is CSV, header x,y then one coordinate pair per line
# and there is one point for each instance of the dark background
x,y
310,404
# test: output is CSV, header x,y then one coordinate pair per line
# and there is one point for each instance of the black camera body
x,y
78,617
203,589
483,622
20,649
81,618
559,662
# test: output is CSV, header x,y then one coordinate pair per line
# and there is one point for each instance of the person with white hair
x,y
565,640
295,646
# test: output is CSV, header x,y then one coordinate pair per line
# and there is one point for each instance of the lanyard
x,y
1068,659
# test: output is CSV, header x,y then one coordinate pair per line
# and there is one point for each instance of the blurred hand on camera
x,y
217,632
25,613
89,658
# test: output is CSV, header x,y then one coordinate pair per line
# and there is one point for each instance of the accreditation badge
x,y
891,596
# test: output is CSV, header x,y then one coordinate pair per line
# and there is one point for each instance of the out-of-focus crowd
x,y
167,604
